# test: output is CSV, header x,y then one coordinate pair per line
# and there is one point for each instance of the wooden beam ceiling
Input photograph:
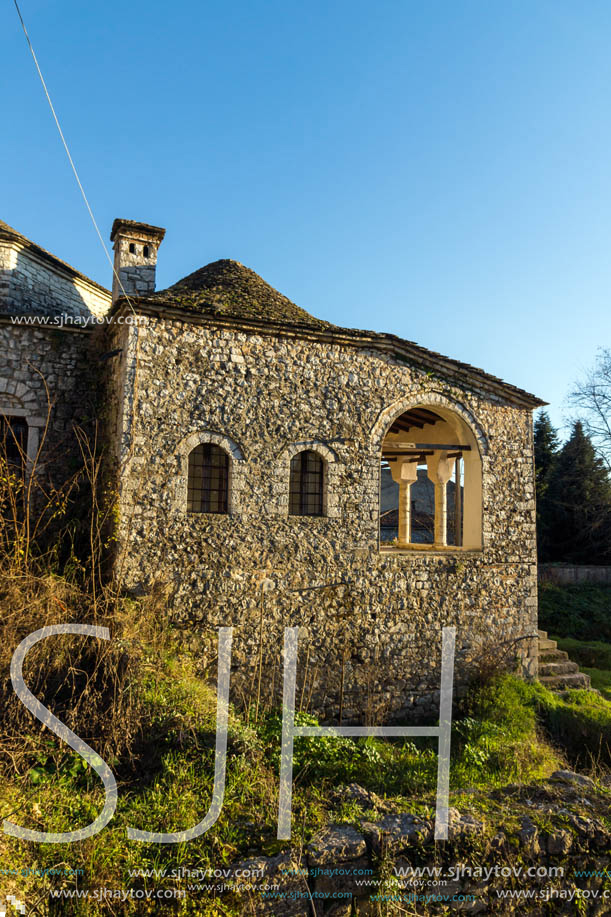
x,y
415,417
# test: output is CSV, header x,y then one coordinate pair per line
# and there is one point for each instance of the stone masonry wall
x,y
44,370
31,285
375,639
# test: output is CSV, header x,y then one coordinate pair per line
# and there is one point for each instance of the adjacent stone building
x,y
47,310
247,440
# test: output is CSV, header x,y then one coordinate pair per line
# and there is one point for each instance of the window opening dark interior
x,y
208,479
306,485
13,440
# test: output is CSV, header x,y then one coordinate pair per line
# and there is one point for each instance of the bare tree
x,y
592,399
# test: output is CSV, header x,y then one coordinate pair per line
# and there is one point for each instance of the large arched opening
x,y
431,481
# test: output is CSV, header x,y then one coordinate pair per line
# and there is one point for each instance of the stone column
x,y
404,473
439,468
458,505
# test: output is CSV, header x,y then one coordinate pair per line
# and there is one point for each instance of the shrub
x,y
497,741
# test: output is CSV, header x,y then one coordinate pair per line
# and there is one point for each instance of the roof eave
x,y
8,235
387,343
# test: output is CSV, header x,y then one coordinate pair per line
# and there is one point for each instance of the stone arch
x,y
331,482
236,466
458,425
18,400
387,415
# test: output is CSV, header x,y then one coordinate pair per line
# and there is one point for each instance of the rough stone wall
x,y
574,574
549,843
31,285
46,374
135,272
376,639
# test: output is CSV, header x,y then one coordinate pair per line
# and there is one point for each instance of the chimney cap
x,y
135,229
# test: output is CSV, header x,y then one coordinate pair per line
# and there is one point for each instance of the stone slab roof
x,y
229,289
8,234
156,232
229,293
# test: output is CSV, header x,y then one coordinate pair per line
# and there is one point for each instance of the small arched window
x,y
132,248
306,488
208,479
145,251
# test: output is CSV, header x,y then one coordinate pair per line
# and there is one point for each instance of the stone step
x,y
573,680
556,671
553,656
558,668
547,644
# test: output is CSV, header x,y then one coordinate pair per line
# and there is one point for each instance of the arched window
x,y
208,479
306,487
431,480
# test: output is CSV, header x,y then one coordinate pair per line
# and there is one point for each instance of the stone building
x,y
247,440
46,308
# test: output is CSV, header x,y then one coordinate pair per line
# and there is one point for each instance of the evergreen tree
x,y
577,502
546,452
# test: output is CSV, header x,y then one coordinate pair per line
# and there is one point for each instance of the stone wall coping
x,y
136,230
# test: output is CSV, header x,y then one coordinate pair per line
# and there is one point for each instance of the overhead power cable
x,y
69,155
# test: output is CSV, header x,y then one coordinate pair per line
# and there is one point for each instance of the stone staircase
x,y
556,671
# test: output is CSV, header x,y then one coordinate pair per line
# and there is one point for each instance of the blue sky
x,y
441,171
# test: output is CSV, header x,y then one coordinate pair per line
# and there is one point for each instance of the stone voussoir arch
x,y
332,470
474,461
432,399
18,400
237,463
18,394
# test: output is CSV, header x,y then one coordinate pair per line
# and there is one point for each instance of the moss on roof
x,y
227,289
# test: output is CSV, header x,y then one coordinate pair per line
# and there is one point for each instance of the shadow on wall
x,y
34,283
45,356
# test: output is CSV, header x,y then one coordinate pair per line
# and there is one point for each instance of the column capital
x,y
404,471
439,467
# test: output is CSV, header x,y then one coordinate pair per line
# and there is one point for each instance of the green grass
x,y
582,612
601,680
579,618
496,741
505,732
593,657
592,653
579,722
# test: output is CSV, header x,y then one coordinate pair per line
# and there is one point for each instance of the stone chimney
x,y
135,246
